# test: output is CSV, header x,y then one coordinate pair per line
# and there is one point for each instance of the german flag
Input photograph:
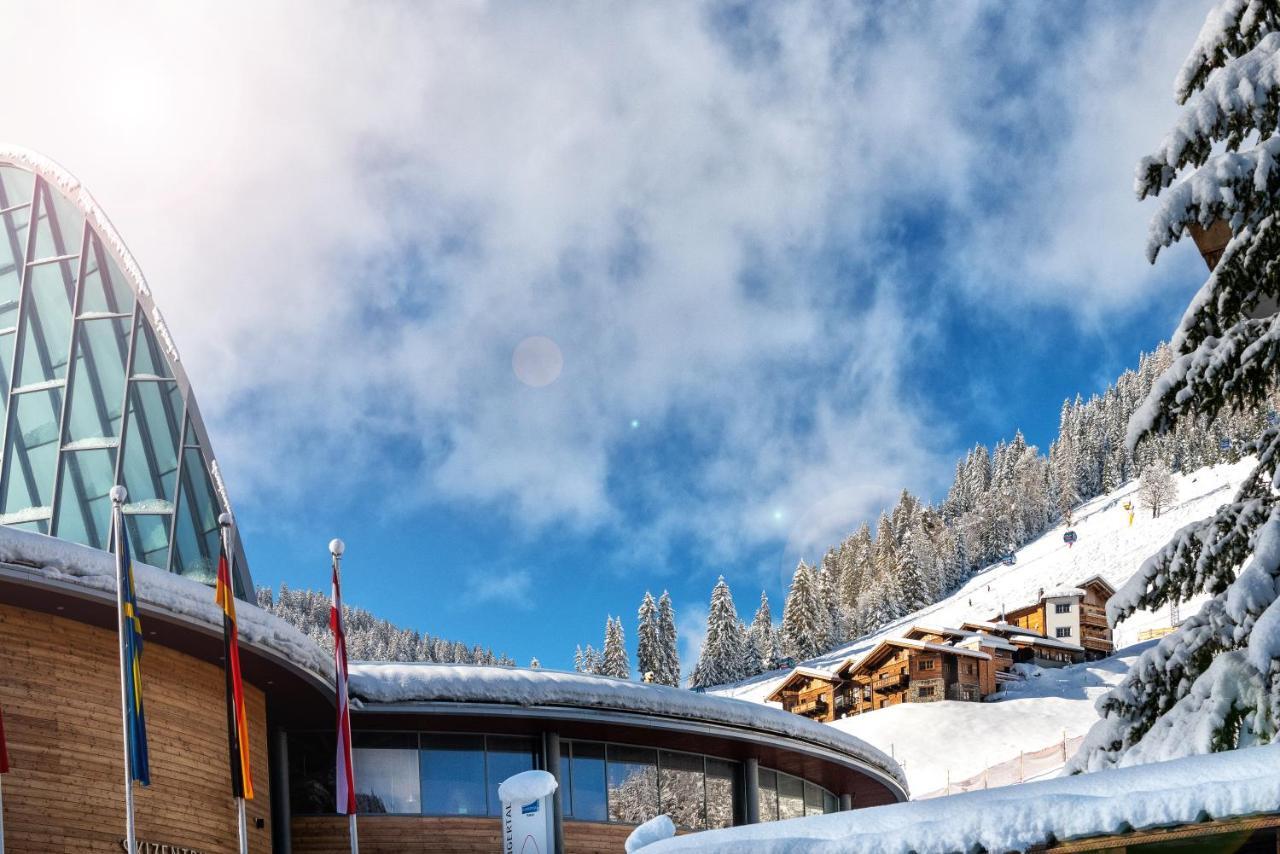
x,y
237,723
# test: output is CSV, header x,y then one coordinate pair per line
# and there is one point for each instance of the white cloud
x,y
510,589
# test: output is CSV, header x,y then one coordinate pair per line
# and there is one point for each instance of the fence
x,y
1027,766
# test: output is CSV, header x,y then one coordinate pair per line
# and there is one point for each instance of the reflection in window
x,y
151,446
453,774
84,511
589,803
507,756
195,547
768,794
790,797
386,772
311,773
722,777
813,799
32,453
46,328
633,784
97,383
682,794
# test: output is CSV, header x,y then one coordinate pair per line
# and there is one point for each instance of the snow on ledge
x,y
1218,786
526,786
49,558
392,683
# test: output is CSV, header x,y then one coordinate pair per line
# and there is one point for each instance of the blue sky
x,y
792,257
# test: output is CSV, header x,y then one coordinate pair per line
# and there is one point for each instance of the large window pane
x,y
17,186
507,756
151,444
566,780
311,773
31,452
97,384
196,540
768,794
589,798
830,803
105,289
633,784
59,224
46,327
149,536
453,775
150,360
84,504
812,799
790,797
722,784
386,772
680,789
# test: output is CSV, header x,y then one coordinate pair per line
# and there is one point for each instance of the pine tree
x,y
534,663
649,657
615,662
668,643
587,660
803,633
724,650
762,639
1214,684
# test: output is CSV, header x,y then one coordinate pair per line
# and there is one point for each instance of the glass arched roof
x,y
92,390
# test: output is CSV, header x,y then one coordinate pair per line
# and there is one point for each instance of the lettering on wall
x,y
145,847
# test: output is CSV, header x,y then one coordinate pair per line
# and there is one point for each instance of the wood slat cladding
x,y
436,835
60,692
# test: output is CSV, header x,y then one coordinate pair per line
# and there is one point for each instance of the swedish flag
x,y
135,720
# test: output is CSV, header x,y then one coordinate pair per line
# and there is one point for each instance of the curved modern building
x,y
92,390
94,395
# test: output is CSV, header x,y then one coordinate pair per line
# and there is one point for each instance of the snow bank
x,y
653,830
58,560
471,683
526,786
1015,818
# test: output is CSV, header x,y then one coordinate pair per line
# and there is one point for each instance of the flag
x,y
237,721
345,777
136,723
4,754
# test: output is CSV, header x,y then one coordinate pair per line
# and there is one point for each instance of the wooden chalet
x,y
1075,615
1031,647
907,670
809,692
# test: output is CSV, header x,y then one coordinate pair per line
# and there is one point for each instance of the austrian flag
x,y
345,777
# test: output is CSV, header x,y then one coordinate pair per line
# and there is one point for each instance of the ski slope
x,y
950,740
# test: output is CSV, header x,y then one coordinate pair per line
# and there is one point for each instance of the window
x,y
1063,631
506,756
682,788
1062,608
722,781
632,774
927,664
453,775
790,797
386,772
813,799
968,668
768,794
589,800
924,691
311,774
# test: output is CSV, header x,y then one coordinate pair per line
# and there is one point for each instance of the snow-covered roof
x,y
1062,593
811,672
912,643
386,686
54,561
1220,786
1041,640
965,636
1008,628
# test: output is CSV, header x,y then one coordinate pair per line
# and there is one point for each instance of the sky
x,y
541,306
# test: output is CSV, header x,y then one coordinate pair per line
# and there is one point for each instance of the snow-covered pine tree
x,y
648,643
534,663
762,640
615,661
1213,684
668,643
803,632
1158,489
588,660
724,653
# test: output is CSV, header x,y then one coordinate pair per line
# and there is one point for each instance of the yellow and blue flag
x,y
135,720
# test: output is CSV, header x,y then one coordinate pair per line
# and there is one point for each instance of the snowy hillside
x,y
955,740
1107,546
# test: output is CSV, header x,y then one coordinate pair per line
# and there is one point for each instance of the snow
x,y
60,561
1184,791
373,682
526,786
653,830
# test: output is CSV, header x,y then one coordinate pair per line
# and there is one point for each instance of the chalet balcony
x,y
810,707
895,682
1094,617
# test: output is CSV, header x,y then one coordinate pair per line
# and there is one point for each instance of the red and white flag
x,y
346,783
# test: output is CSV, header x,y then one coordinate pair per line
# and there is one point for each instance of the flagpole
x,y
224,523
118,496
336,548
1,814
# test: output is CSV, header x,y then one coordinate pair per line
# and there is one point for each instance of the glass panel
x,y
633,784
17,186
13,243
196,540
149,536
768,795
59,226
830,803
97,384
790,797
150,360
453,775
589,797
386,772
507,756
722,777
84,503
105,289
680,789
311,773
566,780
31,453
151,445
190,437
812,799
47,325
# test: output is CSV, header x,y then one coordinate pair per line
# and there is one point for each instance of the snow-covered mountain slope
x,y
1107,546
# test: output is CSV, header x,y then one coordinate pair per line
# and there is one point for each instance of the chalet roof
x,y
808,672
909,643
1041,640
997,628
1060,592
962,636
1099,581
